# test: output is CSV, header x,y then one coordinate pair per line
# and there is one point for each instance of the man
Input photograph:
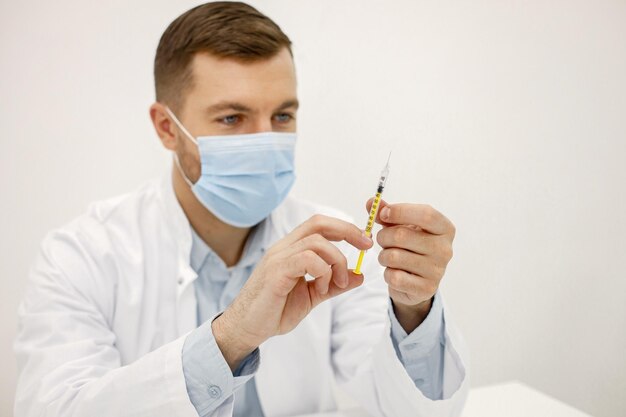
x,y
211,292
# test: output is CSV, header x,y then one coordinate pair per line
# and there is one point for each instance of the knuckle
x,y
399,235
308,256
396,237
387,276
438,271
392,277
382,238
429,214
316,220
434,245
335,257
382,258
393,256
443,250
315,239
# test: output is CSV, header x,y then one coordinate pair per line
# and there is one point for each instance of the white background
x,y
507,116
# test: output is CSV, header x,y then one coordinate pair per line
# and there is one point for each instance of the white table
x,y
514,399
510,399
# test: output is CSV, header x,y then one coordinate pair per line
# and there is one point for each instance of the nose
x,y
261,125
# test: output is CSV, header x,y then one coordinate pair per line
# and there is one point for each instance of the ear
x,y
163,125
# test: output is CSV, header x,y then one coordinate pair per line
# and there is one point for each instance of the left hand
x,y
416,243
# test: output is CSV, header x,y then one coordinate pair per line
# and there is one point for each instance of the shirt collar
x,y
199,251
254,248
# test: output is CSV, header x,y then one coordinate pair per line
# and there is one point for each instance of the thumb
x,y
381,204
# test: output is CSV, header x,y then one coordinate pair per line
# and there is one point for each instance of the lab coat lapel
x,y
187,318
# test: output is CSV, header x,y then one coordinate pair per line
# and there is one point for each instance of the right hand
x,y
277,297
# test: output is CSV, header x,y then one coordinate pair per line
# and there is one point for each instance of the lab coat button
x,y
410,346
215,391
180,281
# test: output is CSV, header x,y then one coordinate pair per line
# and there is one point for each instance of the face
x,y
230,97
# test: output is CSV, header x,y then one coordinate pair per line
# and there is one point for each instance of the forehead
x,y
256,83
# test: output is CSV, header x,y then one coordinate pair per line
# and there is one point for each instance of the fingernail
x,y
384,213
365,238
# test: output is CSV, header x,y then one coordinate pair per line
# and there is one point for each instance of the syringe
x,y
373,211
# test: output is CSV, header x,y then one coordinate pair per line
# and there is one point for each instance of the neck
x,y
225,240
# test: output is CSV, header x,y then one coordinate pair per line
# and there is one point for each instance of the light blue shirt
x,y
208,377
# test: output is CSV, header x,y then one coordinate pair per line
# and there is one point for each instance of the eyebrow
x,y
233,105
289,103
227,105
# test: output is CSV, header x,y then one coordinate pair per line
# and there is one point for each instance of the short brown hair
x,y
225,29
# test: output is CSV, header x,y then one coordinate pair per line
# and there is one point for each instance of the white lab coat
x,y
111,298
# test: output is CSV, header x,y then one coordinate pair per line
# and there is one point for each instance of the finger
x,y
415,240
354,281
305,262
411,288
330,228
296,267
400,280
328,252
410,262
322,282
421,215
382,203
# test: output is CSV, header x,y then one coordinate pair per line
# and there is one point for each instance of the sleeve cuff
x,y
421,341
247,368
208,377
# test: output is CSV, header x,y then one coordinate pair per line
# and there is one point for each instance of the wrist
x,y
233,347
411,316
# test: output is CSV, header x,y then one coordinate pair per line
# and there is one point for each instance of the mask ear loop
x,y
180,125
189,136
177,162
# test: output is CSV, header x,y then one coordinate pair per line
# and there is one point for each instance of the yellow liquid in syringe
x,y
368,228
373,211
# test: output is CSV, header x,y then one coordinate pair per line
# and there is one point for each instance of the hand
x,y
417,246
277,297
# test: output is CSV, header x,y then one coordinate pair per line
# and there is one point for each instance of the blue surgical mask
x,y
243,177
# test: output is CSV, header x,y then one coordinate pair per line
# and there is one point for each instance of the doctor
x,y
188,296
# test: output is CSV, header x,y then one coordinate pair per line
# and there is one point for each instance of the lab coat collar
x,y
175,217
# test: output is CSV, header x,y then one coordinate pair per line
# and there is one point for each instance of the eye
x,y
230,120
283,117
